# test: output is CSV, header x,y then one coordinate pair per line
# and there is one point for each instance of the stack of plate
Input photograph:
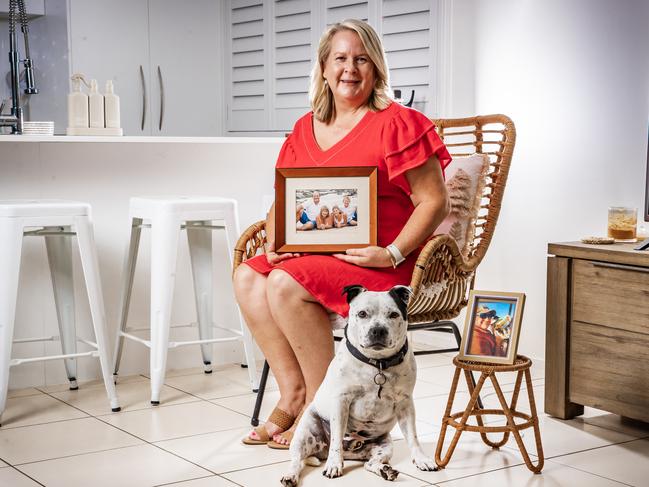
x,y
38,128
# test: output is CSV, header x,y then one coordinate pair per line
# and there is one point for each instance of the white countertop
x,y
140,139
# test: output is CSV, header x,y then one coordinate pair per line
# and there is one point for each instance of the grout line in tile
x,y
477,475
28,476
210,399
151,408
199,478
251,468
229,409
593,473
515,448
76,455
9,427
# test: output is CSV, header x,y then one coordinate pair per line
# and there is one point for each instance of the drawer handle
x,y
622,266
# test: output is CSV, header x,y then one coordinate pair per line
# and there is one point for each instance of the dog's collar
x,y
380,364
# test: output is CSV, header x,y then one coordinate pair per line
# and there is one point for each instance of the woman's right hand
x,y
275,258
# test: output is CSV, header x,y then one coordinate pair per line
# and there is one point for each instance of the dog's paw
x,y
426,464
388,473
333,469
289,481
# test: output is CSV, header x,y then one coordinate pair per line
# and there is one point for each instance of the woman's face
x,y
324,212
348,69
336,211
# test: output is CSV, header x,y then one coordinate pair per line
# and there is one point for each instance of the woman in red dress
x,y
286,299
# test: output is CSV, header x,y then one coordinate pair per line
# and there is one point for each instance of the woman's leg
x,y
250,291
305,324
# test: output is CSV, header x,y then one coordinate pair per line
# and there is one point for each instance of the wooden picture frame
x,y
297,214
492,327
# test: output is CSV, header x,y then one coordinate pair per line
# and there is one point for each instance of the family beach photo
x,y
326,209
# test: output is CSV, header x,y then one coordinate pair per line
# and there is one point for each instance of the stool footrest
x,y
173,344
188,325
18,361
451,421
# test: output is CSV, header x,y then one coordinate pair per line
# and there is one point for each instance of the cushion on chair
x,y
465,182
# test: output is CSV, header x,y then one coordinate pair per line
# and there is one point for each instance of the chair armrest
x,y
250,241
440,281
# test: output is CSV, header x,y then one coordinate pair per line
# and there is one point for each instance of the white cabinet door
x,y
110,40
184,43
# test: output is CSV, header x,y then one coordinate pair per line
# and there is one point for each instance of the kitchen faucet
x,y
15,119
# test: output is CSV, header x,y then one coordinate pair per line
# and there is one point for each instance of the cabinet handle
x,y
143,96
622,267
162,98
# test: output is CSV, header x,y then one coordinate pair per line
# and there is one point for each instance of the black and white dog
x,y
367,389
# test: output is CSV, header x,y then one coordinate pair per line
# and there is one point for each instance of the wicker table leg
x,y
512,424
442,462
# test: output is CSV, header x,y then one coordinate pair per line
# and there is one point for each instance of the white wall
x,y
574,77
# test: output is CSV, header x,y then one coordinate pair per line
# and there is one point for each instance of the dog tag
x,y
379,380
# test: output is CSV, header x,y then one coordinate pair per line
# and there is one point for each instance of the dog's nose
x,y
378,334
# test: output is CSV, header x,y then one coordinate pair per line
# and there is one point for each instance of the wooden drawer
x,y
609,369
613,295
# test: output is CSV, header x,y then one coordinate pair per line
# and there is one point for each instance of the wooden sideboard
x,y
597,330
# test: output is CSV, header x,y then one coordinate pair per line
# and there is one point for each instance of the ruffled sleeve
x,y
409,140
286,157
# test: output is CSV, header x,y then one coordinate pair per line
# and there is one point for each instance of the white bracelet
x,y
396,254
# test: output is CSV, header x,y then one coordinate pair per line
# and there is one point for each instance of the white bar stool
x,y
54,220
167,216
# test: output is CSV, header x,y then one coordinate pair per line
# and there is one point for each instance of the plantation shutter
x,y
292,59
338,10
409,45
247,105
274,43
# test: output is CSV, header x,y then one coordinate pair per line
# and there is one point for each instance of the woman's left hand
x,y
367,257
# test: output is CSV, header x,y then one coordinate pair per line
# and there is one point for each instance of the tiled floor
x,y
54,437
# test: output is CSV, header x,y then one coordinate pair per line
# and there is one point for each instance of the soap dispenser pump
x,y
77,104
96,106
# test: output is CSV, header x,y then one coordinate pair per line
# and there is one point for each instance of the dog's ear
x,y
353,291
401,296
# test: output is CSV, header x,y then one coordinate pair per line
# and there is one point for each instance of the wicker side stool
x,y
522,366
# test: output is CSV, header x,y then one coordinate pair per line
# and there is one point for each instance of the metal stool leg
x,y
130,259
90,265
11,236
260,394
200,251
232,234
59,256
165,230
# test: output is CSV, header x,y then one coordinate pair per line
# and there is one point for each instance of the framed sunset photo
x,y
492,327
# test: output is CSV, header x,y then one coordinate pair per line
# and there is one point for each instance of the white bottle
x,y
77,106
111,103
96,106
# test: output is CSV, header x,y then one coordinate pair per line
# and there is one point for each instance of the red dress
x,y
395,140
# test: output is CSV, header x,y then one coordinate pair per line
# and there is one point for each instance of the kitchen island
x,y
106,172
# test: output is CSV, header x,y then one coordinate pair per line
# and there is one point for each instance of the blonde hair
x,y
320,95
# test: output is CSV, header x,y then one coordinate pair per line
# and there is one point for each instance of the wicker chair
x,y
442,277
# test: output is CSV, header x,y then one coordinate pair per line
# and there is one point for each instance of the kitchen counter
x,y
139,139
106,172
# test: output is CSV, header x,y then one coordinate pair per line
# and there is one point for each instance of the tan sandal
x,y
287,434
281,418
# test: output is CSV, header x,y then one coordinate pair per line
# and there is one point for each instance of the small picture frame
x,y
492,327
325,209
